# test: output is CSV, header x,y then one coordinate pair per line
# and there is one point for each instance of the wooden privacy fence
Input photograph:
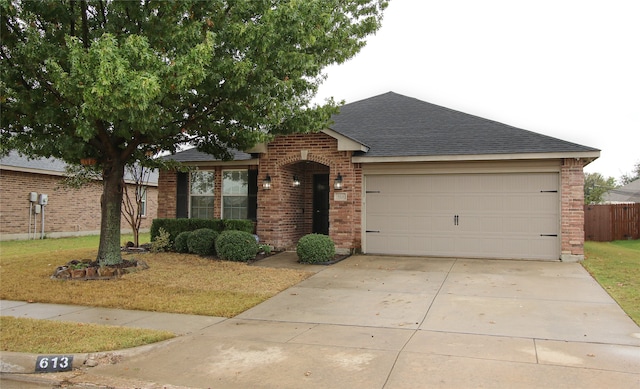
x,y
607,222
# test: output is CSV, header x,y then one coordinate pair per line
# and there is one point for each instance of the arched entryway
x,y
301,190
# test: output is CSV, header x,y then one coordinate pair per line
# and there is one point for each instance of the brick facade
x,y
285,213
572,209
167,194
69,212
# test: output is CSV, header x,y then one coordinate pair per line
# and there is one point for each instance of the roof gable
x,y
393,125
629,193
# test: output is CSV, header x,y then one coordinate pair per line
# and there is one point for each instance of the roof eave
x,y
345,143
587,156
56,173
235,162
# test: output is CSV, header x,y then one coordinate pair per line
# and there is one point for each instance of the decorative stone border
x,y
87,270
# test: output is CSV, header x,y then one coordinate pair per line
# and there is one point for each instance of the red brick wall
x,y
69,211
167,194
572,214
284,214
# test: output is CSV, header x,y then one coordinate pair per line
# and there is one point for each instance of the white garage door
x,y
463,215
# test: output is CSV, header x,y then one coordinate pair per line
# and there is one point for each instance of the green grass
x,y
616,266
17,247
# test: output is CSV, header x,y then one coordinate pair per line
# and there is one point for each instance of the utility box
x,y
43,199
36,209
33,197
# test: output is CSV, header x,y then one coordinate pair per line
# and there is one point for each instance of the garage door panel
x,y
470,215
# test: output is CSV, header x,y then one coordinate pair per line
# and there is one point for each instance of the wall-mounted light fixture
x,y
337,183
296,181
266,183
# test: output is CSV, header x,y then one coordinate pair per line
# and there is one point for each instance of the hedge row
x,y
176,226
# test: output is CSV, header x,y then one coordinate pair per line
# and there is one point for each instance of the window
x,y
143,200
201,194
235,198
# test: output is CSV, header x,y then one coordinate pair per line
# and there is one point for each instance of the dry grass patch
x,y
54,337
176,283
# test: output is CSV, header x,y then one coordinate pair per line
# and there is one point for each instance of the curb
x,y
25,363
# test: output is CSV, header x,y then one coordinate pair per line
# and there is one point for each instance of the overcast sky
x,y
564,68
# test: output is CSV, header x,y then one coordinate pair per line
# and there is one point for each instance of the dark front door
x,y
321,204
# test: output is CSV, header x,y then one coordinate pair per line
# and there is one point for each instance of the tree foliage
x,y
118,81
595,186
630,177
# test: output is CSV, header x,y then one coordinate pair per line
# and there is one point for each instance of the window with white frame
x,y
235,194
201,194
143,200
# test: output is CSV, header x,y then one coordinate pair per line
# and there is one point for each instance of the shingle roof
x,y
395,125
629,193
46,164
51,165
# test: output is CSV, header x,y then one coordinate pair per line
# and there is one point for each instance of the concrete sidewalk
x,y
391,322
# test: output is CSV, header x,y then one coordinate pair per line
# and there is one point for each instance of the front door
x,y
321,204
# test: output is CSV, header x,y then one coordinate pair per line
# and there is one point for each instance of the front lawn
x,y
616,266
178,283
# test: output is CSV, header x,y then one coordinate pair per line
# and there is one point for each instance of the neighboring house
x,y
629,193
396,175
69,212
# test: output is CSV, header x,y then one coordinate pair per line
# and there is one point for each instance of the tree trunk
x,y
111,206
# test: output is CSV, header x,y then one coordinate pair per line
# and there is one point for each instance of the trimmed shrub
x,y
314,248
239,246
238,225
202,241
181,242
176,226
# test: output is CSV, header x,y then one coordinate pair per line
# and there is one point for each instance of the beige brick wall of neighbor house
x,y
69,211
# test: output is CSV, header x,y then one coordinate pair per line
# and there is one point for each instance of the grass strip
x,y
57,337
616,266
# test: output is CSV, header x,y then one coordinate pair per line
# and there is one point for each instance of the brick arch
x,y
297,157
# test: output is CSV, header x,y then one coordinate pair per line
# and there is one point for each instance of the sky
x,y
565,68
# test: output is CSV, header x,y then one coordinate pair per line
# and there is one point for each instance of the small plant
x,y
202,241
162,242
239,246
314,248
264,248
180,244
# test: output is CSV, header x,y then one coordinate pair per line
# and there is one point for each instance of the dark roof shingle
x,y
395,125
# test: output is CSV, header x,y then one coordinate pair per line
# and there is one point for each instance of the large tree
x,y
595,186
116,81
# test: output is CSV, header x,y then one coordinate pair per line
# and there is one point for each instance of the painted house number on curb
x,y
53,363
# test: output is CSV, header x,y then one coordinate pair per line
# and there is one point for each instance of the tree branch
x,y
85,24
72,28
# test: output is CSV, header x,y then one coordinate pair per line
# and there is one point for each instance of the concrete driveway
x,y
390,322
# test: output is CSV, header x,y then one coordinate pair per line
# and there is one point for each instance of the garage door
x,y
463,215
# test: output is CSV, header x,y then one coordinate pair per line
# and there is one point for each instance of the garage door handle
x,y
376,231
456,220
549,235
